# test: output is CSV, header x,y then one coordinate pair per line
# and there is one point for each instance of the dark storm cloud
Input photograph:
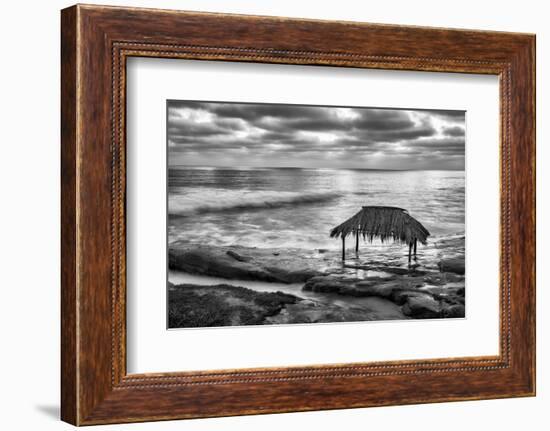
x,y
190,127
248,112
210,133
447,145
454,131
449,115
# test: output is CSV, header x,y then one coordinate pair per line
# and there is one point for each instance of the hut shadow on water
x,y
384,223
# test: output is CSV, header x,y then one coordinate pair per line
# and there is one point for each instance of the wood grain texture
x,y
69,397
96,41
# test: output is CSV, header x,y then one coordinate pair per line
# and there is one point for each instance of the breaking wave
x,y
207,201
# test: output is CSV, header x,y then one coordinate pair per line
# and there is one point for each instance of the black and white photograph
x,y
300,214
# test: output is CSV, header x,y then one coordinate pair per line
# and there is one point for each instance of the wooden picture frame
x,y
95,43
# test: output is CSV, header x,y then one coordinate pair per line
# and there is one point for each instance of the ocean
x,y
297,208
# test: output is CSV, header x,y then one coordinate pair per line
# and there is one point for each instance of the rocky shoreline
x,y
369,290
242,263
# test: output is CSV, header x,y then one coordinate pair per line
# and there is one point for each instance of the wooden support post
x,y
415,241
357,242
410,250
343,248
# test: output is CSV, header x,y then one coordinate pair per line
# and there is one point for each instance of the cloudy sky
x,y
270,135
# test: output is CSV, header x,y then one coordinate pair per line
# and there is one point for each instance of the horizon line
x,y
312,167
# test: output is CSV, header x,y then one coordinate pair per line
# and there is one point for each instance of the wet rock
x,y
422,306
289,274
456,243
454,311
424,292
395,270
348,286
328,284
396,290
192,305
308,311
451,277
401,297
443,278
216,263
435,280
455,265
238,257
381,290
413,270
241,263
311,312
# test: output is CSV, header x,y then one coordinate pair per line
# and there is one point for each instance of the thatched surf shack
x,y
385,223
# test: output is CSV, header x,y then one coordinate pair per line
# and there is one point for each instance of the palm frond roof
x,y
385,223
